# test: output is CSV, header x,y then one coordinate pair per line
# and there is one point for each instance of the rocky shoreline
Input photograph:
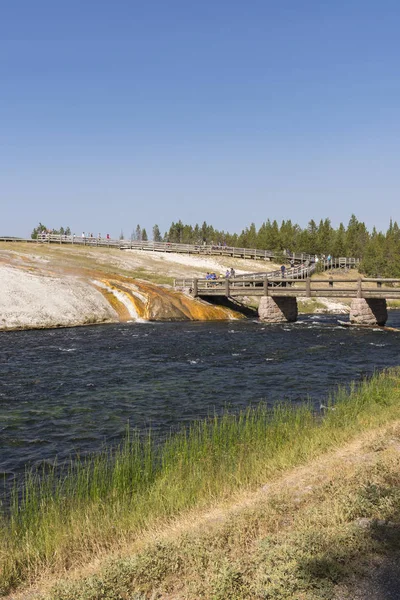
x,y
53,288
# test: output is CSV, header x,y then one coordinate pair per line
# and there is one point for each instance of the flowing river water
x,y
71,391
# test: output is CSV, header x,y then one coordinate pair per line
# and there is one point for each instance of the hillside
x,y
53,286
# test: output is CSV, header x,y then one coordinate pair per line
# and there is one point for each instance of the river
x,y
70,391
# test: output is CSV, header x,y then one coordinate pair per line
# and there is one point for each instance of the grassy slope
x,y
144,265
289,541
80,260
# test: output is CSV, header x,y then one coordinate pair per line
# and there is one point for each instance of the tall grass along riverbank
x,y
108,502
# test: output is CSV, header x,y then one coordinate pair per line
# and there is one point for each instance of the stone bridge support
x,y
368,311
278,309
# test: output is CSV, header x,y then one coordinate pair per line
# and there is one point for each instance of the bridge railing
x,y
300,272
278,286
341,262
239,284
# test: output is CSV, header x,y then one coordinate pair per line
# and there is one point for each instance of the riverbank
x,y
219,511
45,286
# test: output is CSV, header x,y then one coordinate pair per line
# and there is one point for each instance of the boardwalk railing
x,y
307,288
200,249
65,239
300,272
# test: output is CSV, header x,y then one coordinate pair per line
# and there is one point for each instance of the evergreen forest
x,y
379,252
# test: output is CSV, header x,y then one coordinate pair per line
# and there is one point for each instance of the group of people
x,y
213,276
90,235
44,233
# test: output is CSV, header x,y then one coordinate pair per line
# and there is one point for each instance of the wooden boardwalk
x,y
196,249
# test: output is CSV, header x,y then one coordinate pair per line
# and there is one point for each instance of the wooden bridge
x,y
197,249
301,287
278,302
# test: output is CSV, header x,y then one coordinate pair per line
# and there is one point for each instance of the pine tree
x,y
339,242
38,230
356,238
324,240
156,234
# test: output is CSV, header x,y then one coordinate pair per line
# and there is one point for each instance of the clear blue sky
x,y
126,112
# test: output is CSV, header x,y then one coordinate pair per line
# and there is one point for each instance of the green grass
x,y
63,520
309,307
141,273
393,303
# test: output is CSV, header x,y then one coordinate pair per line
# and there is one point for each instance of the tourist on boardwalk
x,y
292,263
283,271
232,272
227,274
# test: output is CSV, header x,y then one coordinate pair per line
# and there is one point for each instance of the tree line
x,y
42,229
316,238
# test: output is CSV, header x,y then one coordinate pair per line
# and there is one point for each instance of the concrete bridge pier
x,y
278,309
368,311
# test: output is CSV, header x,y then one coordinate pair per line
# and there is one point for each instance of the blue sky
x,y
126,112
